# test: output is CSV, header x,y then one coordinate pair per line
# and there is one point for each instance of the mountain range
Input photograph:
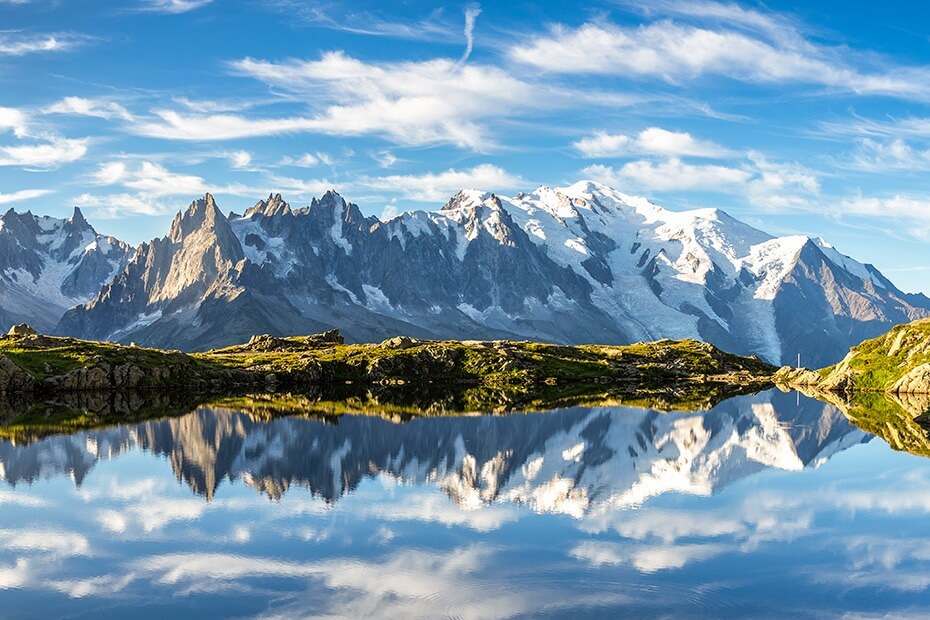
x,y
579,264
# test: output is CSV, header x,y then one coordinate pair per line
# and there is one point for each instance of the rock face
x,y
48,265
580,264
916,381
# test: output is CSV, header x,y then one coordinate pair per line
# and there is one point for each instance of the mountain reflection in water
x,y
562,461
755,507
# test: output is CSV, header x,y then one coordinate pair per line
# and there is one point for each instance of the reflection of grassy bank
x,y
901,420
25,419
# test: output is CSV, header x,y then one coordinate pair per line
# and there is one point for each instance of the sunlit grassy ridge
x,y
66,363
897,361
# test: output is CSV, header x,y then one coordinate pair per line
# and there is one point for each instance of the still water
x,y
766,505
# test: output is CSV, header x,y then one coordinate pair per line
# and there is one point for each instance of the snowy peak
x,y
471,199
49,264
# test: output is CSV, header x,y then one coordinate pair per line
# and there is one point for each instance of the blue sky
x,y
809,118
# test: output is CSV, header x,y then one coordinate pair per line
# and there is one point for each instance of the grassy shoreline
x,y
47,364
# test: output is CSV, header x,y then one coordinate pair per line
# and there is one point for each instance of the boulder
x,y
13,378
21,331
400,342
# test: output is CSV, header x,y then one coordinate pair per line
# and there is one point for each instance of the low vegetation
x,y
896,362
45,363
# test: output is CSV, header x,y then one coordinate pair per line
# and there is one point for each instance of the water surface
x,y
765,505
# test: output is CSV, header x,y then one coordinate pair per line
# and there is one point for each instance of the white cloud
x,y
772,186
670,175
173,6
384,159
889,155
175,126
307,160
433,187
44,151
109,174
81,106
645,558
54,542
240,159
20,44
675,52
412,103
15,120
907,213
50,154
24,194
155,181
119,205
653,140
389,212
17,575
781,186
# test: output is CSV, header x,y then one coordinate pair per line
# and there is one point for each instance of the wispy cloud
x,y
19,43
437,187
50,153
410,103
25,194
154,180
80,106
653,140
471,14
771,186
307,160
332,15
172,6
759,52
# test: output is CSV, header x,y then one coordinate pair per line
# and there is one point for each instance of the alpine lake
x,y
773,504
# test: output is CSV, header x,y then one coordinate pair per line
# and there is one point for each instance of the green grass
x,y
878,363
517,366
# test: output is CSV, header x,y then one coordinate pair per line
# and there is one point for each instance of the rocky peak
x,y
201,214
78,222
273,205
332,207
20,225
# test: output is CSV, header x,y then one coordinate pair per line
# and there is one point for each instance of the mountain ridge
x,y
580,264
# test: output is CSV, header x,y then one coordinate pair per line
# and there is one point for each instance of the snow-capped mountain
x,y
48,265
584,263
580,462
